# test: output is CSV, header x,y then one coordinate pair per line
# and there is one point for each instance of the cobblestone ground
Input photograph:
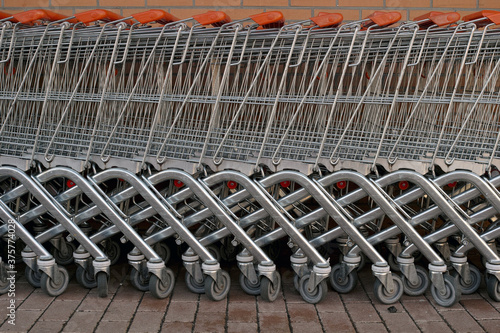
x,y
126,309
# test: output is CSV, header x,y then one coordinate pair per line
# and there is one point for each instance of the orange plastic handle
x,y
493,16
382,19
30,16
155,15
214,18
4,15
438,18
269,20
99,15
326,20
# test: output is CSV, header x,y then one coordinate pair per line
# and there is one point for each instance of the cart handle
x,y
215,18
269,20
488,16
9,17
327,20
94,15
436,18
155,15
30,16
382,19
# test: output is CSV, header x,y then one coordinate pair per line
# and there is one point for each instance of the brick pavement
x,y
126,309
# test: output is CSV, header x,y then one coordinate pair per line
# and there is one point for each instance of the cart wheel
x,y
215,252
268,290
85,278
393,263
341,284
451,295
213,291
113,251
475,280
312,296
140,280
163,251
52,287
249,287
385,296
162,289
193,286
418,288
493,288
296,282
33,277
64,258
102,284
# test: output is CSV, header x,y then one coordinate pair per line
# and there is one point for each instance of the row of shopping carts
x,y
374,137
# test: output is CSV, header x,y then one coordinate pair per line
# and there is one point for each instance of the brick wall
x,y
292,9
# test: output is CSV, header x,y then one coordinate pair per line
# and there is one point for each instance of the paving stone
x,y
182,294
461,321
242,327
358,294
178,327
206,305
127,293
47,326
94,303
291,295
331,303
490,325
277,306
242,312
479,309
112,326
236,294
181,311
83,321
23,321
23,290
75,292
274,322
399,322
336,322
150,303
422,311
36,301
120,310
433,326
309,327
362,312
304,312
60,310
210,322
370,327
146,321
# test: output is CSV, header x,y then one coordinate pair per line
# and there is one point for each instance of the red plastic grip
x,y
4,15
269,20
492,16
382,19
438,18
211,17
30,16
98,15
327,20
155,15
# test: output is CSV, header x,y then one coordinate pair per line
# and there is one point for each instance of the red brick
x,y
277,305
315,3
149,303
92,303
454,3
407,3
433,326
24,320
263,3
120,310
36,301
361,3
479,309
490,325
218,3
295,14
370,327
309,327
48,326
26,3
169,3
331,303
70,3
122,3
484,4
421,311
177,327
